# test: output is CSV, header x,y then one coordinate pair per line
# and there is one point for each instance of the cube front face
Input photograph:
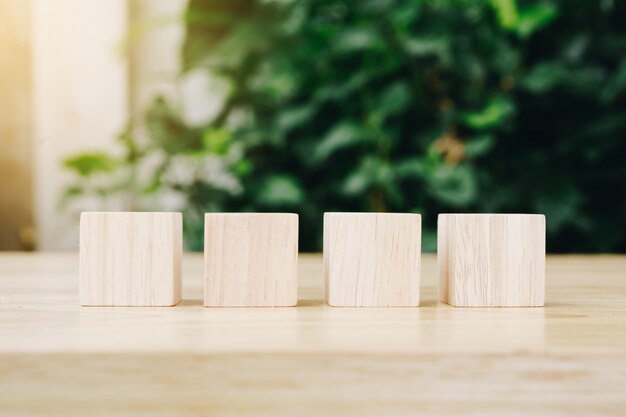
x,y
250,260
130,259
491,260
372,259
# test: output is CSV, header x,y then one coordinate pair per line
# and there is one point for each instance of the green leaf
x,y
280,190
410,168
372,171
133,152
154,186
617,84
352,40
356,183
361,178
216,141
419,47
70,193
274,81
496,112
343,89
88,164
547,76
294,117
74,191
544,77
156,180
454,185
168,131
561,204
341,136
609,124
242,168
506,12
536,17
394,99
479,145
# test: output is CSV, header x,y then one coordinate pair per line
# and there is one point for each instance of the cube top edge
x,y
249,214
130,213
476,215
364,214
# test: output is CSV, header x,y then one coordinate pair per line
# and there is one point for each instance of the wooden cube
x,y
372,259
250,260
491,260
130,259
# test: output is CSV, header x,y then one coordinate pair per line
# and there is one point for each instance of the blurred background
x,y
312,106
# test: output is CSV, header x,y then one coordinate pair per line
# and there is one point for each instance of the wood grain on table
x,y
56,358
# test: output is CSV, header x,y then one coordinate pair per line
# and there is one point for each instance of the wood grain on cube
x,y
130,259
250,259
372,259
491,260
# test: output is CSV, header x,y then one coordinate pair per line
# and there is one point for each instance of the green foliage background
x,y
397,105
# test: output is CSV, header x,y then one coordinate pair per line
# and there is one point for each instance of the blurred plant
x,y
195,169
402,105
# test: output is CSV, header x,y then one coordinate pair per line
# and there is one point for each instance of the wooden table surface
x,y
56,358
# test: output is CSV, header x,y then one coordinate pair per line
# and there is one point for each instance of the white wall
x,y
83,91
96,64
80,84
